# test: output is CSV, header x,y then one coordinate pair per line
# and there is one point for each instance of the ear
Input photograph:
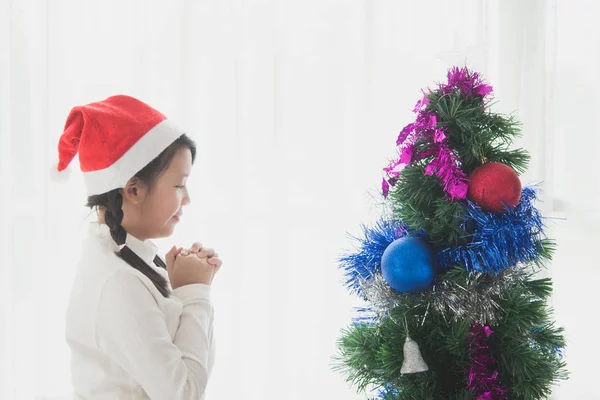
x,y
134,192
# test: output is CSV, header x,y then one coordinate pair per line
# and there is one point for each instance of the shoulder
x,y
127,284
124,298
102,264
129,307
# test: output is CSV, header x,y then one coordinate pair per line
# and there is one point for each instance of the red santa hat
x,y
115,138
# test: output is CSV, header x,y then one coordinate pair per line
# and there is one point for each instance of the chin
x,y
167,230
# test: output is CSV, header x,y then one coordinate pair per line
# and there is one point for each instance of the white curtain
x,y
295,106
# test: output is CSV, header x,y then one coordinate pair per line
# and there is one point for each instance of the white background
x,y
295,107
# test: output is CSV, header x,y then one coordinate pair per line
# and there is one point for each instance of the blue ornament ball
x,y
408,264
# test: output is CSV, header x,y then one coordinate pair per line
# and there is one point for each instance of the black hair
x,y
112,202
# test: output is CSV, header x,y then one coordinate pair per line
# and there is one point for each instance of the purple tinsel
x,y
467,82
483,376
445,164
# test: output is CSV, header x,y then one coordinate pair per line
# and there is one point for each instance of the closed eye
x,y
180,186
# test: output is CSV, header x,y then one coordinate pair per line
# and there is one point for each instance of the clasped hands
x,y
192,266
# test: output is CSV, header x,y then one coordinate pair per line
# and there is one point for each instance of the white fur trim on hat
x,y
146,149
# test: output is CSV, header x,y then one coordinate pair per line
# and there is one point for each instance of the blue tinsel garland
x,y
387,391
498,240
367,260
364,316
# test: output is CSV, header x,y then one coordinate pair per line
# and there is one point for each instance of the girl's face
x,y
154,213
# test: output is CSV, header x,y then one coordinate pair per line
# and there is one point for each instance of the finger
x,y
184,252
215,262
170,258
172,251
206,253
214,273
196,247
216,269
212,276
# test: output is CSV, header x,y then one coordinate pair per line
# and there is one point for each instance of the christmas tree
x,y
455,310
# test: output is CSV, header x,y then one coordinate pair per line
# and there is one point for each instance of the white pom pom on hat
x,y
115,138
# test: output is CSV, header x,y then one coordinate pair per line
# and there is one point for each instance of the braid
x,y
113,217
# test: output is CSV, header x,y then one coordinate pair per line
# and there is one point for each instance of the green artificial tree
x,y
455,310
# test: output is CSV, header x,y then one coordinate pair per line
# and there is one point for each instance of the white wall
x,y
295,107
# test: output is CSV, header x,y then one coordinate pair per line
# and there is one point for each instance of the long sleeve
x,y
131,330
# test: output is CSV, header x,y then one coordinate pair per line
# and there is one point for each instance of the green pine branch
x,y
524,342
476,134
419,201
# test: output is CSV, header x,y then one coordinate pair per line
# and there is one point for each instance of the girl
x,y
137,326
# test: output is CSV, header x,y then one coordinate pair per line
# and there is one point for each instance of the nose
x,y
186,198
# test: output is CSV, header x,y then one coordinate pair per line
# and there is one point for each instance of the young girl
x,y
138,327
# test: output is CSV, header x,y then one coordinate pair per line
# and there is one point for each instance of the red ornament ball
x,y
494,185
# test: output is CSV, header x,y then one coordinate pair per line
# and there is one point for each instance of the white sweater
x,y
127,340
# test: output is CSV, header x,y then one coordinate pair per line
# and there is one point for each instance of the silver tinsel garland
x,y
474,299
